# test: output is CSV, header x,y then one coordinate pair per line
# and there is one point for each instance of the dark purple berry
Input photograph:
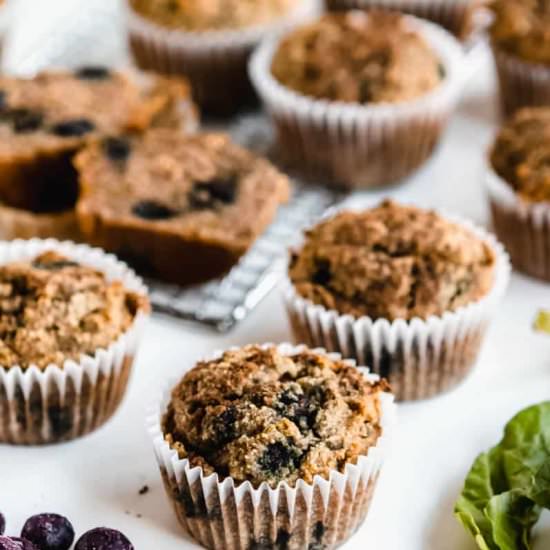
x,y
7,544
23,544
73,128
117,148
103,538
24,120
2,523
93,73
49,532
151,210
208,194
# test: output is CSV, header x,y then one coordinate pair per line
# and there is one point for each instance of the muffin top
x,y
522,28
358,58
521,153
392,262
257,415
204,15
200,186
53,309
60,110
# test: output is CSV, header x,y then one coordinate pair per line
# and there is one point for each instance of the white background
x,y
95,480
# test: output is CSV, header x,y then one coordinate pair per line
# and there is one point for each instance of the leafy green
x,y
508,486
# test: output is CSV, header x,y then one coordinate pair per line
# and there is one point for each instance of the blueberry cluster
x,y
55,532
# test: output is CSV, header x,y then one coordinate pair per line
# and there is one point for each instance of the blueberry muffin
x,y
46,119
389,286
59,321
358,59
358,99
180,208
521,46
261,417
519,189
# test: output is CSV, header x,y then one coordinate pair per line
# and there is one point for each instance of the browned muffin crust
x,y
392,262
521,153
53,309
522,28
357,57
186,207
212,14
259,416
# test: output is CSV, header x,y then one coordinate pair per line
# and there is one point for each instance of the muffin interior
x,y
257,415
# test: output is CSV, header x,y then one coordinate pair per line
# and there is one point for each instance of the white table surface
x,y
95,480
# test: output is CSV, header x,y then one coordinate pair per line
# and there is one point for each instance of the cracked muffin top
x,y
392,262
522,28
199,186
53,309
358,58
204,15
257,415
60,111
521,153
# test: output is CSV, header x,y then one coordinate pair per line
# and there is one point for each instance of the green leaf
x,y
507,486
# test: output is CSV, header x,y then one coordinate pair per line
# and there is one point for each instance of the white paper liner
x,y
523,227
220,515
522,84
420,358
59,403
454,15
360,145
214,61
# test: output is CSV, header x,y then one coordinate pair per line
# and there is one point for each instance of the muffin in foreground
x,y
359,99
179,208
44,120
209,42
521,47
457,16
401,289
256,430
519,189
70,318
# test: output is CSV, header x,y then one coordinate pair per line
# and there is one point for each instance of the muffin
x,y
519,189
404,290
521,47
359,99
209,42
70,320
266,441
179,208
46,119
457,16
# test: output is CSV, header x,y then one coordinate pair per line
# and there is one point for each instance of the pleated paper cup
x,y
457,16
521,83
63,402
214,61
353,145
221,515
420,358
523,227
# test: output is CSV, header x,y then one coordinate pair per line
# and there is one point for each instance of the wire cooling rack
x,y
95,35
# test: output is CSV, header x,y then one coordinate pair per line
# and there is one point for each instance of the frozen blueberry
x,y
49,532
23,544
92,72
7,544
207,194
2,523
73,128
103,538
152,210
117,148
24,120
